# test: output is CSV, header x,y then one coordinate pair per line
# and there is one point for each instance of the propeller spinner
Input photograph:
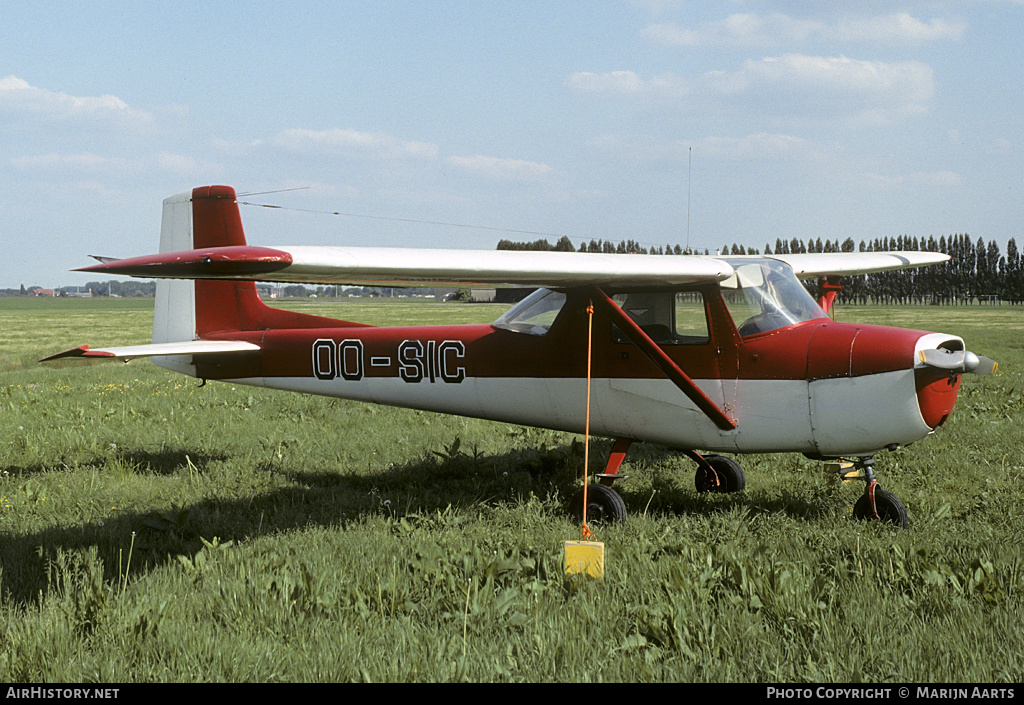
x,y
958,361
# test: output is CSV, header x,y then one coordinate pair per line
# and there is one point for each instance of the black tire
x,y
730,475
889,506
604,505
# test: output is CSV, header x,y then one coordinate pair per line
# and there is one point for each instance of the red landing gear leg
x,y
615,458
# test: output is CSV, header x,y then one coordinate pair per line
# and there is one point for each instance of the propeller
x,y
958,361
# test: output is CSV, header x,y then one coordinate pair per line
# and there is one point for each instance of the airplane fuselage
x,y
817,387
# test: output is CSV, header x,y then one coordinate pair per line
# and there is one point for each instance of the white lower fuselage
x,y
826,417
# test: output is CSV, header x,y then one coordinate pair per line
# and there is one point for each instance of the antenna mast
x,y
689,171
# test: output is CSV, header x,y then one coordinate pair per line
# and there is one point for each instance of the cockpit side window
x,y
534,314
667,317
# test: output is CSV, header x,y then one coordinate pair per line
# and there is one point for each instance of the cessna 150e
x,y
721,354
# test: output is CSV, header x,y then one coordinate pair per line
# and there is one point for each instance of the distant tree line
x,y
123,289
977,272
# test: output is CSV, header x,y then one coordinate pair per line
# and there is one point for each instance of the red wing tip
x,y
80,351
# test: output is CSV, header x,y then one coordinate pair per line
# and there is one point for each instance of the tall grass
x,y
153,530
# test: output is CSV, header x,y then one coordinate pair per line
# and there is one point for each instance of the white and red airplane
x,y
722,354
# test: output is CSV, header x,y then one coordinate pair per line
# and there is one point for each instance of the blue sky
x,y
586,119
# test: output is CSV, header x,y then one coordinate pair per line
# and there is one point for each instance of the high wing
x,y
382,266
826,264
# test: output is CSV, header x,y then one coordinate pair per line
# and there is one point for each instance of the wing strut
x,y
659,358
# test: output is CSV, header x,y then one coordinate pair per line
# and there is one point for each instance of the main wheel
x,y
730,475
889,507
603,505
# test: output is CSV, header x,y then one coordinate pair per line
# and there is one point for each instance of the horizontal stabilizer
x,y
130,352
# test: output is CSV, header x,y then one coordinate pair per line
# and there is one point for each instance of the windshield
x,y
764,294
534,314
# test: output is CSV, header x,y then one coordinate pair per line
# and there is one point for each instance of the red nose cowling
x,y
936,394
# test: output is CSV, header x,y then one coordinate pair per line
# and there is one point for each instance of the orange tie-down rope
x,y
587,534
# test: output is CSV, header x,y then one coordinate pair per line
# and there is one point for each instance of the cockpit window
x,y
764,295
667,317
534,314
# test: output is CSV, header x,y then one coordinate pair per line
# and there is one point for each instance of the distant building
x,y
511,295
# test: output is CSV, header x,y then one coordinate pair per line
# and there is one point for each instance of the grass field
x,y
155,530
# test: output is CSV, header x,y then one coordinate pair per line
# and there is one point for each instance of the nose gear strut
x,y
876,503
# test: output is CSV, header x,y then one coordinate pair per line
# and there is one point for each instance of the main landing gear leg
x,y
876,503
615,458
603,503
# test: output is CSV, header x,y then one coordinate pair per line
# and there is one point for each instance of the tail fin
x,y
188,310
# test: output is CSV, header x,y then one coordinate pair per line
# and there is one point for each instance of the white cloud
x,y
497,168
917,178
898,29
318,188
93,188
16,95
937,178
776,29
871,179
234,148
738,30
354,142
793,86
661,6
859,92
67,162
758,146
1001,145
184,165
843,74
626,82
629,83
